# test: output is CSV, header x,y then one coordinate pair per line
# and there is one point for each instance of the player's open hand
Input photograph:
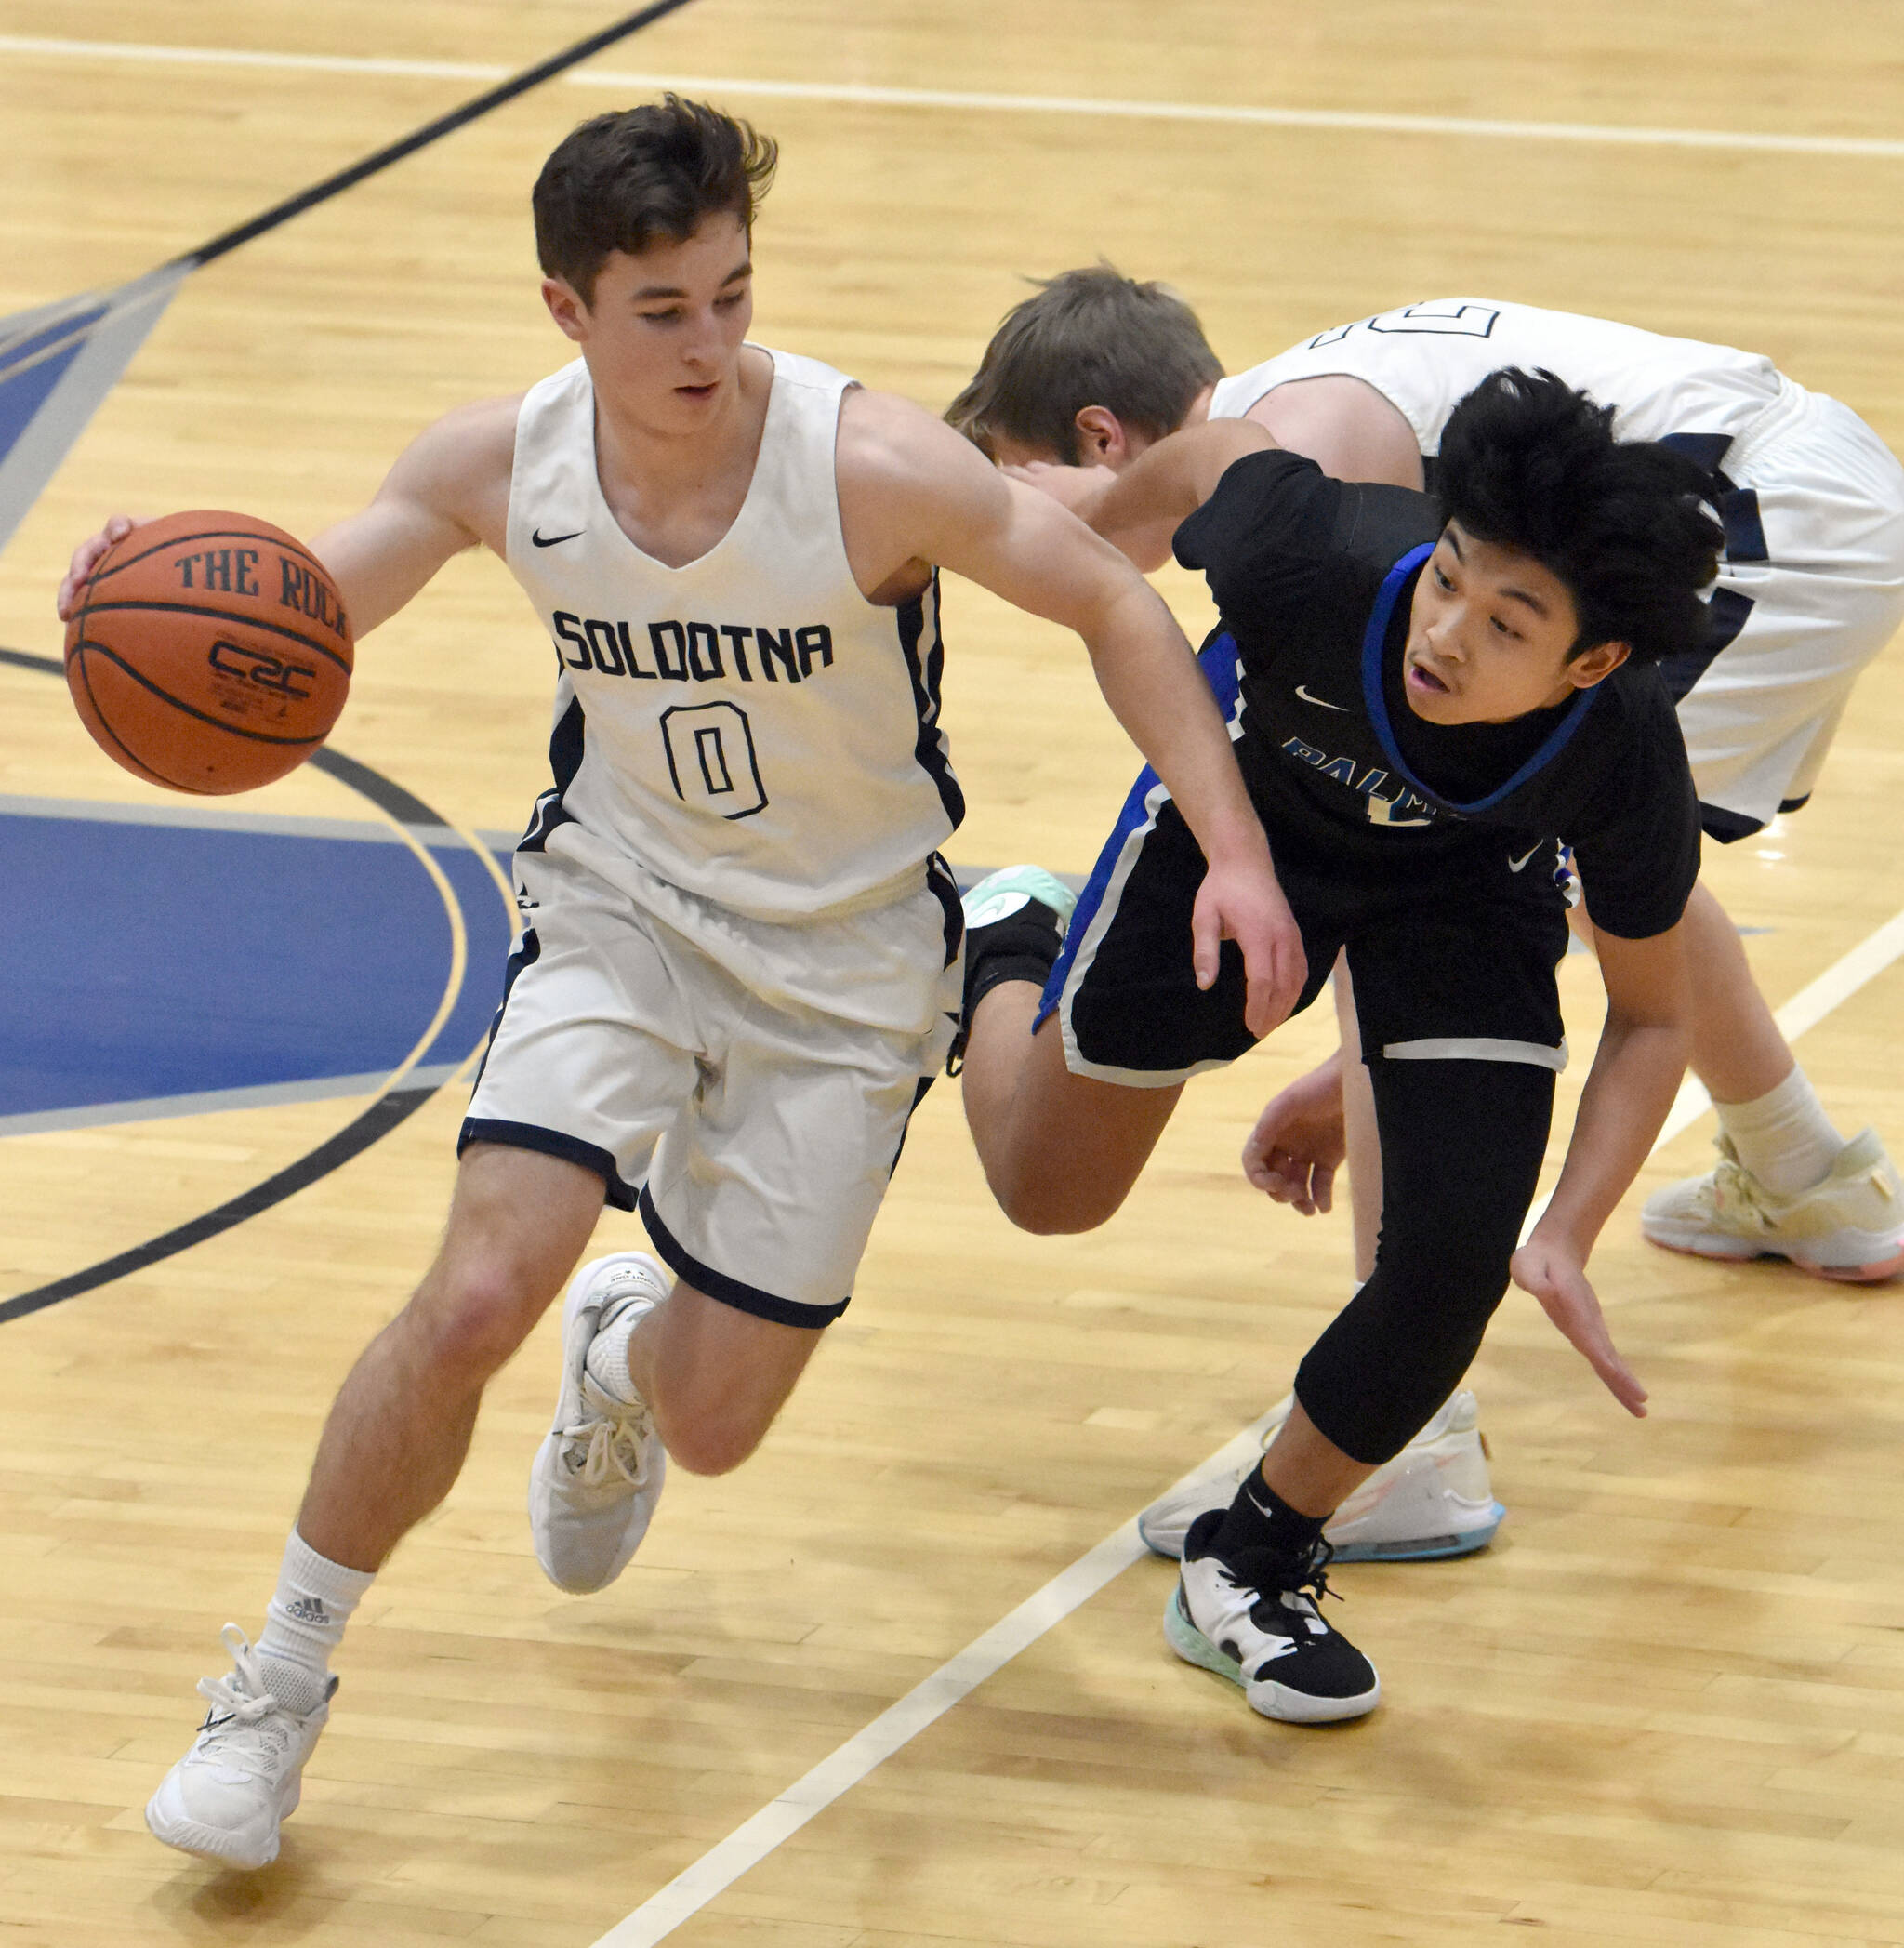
x,y
1081,489
1241,901
1298,1144
86,558
1553,1274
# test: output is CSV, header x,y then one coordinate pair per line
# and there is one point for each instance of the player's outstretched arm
x,y
1636,1075
448,490
912,490
1140,510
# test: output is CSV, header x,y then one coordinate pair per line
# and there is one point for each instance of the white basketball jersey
x,y
748,726
1425,358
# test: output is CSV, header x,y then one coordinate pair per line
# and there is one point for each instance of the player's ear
x,y
1101,440
1596,665
570,313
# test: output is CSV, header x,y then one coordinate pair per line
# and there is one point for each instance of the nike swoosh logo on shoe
x,y
542,540
1322,701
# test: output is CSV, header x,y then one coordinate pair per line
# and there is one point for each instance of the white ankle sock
x,y
1784,1138
607,1358
304,1623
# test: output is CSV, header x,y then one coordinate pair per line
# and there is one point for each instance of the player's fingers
x,y
1206,940
86,556
1274,967
1322,1185
1571,1305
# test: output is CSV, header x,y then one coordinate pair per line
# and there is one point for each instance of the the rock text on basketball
x,y
224,571
309,594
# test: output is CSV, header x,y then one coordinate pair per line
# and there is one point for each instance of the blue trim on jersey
x,y
1222,671
1374,640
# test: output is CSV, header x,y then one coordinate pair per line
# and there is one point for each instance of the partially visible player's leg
x,y
652,1369
815,1040
1060,1151
1812,590
391,1447
398,1432
716,1377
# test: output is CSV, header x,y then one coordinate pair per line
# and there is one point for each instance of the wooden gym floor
x,y
1667,1707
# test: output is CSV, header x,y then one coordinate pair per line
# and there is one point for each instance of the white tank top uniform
x,y
1812,583
747,727
740,954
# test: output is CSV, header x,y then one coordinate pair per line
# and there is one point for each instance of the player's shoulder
x,y
1632,734
479,438
889,444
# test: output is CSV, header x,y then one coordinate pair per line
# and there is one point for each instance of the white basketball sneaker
x,y
227,1798
1433,1498
1849,1227
598,1471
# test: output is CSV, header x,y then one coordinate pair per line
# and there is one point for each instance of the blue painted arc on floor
x,y
199,955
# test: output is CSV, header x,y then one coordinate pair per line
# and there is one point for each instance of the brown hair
x,y
1091,337
622,179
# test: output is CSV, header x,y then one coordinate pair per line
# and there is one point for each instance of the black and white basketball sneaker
x,y
1253,1618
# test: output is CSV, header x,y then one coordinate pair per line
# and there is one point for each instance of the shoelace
x,y
1313,1583
241,1702
1736,1188
616,1442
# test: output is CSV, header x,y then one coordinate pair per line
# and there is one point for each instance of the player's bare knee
x,y
712,1439
471,1318
1051,1203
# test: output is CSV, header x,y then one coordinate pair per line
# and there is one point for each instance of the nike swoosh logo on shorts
x,y
1321,700
542,540
1515,865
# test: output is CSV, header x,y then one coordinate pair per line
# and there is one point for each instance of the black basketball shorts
x,y
1453,958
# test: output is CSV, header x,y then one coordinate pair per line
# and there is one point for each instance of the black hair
x,y
1531,464
1091,337
620,181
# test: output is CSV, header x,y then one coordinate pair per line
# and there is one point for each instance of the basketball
x,y
210,653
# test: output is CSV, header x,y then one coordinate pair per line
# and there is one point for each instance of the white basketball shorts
x,y
1820,505
693,1063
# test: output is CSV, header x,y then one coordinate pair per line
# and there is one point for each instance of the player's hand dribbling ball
x,y
206,651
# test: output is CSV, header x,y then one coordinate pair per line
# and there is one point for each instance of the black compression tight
x,y
1461,1144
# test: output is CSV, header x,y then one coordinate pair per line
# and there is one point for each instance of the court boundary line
x,y
396,1101
847,94
960,1676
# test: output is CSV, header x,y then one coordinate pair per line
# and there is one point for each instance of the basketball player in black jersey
x,y
1432,690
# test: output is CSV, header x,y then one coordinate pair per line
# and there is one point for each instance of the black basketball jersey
x,y
1313,578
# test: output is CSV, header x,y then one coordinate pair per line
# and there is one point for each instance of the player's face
x,y
663,332
1489,633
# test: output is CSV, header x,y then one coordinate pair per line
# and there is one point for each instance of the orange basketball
x,y
210,653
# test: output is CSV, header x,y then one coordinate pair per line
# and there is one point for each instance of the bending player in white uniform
x,y
740,947
1095,367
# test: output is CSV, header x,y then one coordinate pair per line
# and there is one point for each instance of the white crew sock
x,y
607,1358
304,1623
1784,1138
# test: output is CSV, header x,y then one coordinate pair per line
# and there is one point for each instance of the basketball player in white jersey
x,y
1095,367
740,953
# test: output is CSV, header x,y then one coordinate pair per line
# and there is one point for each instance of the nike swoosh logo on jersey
x,y
1515,865
1323,701
542,540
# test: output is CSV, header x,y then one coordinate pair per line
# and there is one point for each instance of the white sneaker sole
x,y
1271,1701
249,1847
1861,1257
